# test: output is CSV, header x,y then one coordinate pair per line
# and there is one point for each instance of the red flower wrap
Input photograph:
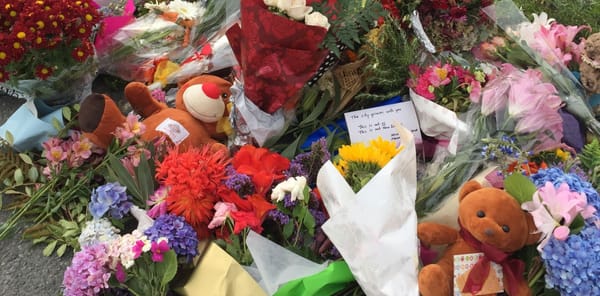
x,y
277,55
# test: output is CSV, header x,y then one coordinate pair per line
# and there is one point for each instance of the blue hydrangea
x,y
572,265
110,198
180,235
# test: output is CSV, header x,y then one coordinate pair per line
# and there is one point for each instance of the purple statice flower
x,y
307,164
288,202
279,217
88,273
111,198
319,216
240,183
180,235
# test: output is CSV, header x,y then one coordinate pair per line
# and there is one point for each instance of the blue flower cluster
x,y
572,265
180,235
111,198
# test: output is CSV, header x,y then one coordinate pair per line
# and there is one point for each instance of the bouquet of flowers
x,y
455,25
278,48
447,84
47,51
158,41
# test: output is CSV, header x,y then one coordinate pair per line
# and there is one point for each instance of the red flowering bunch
x,y
452,86
454,24
41,37
194,180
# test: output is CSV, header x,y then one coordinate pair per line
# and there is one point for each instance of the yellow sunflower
x,y
358,163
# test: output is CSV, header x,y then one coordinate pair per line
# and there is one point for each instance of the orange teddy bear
x,y
199,106
491,222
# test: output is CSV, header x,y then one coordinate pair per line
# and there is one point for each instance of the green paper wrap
x,y
327,282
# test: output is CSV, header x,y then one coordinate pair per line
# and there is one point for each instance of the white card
x,y
462,266
368,124
176,132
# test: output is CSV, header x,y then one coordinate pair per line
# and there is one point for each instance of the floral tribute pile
x,y
293,200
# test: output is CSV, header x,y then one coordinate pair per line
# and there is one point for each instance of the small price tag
x,y
176,132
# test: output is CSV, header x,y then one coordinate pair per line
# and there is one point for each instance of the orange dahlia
x,y
194,178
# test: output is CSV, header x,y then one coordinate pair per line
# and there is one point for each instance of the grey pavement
x,y
23,269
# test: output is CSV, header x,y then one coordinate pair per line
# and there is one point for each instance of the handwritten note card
x,y
368,124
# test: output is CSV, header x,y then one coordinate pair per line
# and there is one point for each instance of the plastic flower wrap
x,y
47,51
161,39
277,55
548,52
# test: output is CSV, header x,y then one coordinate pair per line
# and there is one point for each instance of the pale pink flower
x,y
222,210
158,202
556,207
131,127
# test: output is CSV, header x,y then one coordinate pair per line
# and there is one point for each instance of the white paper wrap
x,y
375,229
439,122
276,265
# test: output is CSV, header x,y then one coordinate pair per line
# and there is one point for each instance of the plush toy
x,y
491,222
197,119
590,66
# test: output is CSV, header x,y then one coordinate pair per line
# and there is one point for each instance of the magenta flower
x,y
139,248
158,249
120,274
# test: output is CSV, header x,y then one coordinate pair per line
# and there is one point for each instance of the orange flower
x,y
194,178
528,168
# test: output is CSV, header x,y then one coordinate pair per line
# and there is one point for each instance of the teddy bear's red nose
x,y
211,90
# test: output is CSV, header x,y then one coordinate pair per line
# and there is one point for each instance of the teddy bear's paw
x,y
434,281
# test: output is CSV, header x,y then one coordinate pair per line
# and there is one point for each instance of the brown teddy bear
x,y
590,66
491,222
199,106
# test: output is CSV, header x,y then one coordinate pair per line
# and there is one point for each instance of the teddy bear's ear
x,y
467,188
533,236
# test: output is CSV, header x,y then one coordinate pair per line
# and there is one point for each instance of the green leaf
x,y
520,187
39,240
67,113
26,158
290,150
145,180
123,177
56,124
309,223
49,249
577,224
61,250
288,230
9,138
168,267
18,176
33,174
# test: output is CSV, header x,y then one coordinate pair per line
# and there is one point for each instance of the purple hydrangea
x,y
571,265
240,183
180,235
88,273
111,198
308,164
